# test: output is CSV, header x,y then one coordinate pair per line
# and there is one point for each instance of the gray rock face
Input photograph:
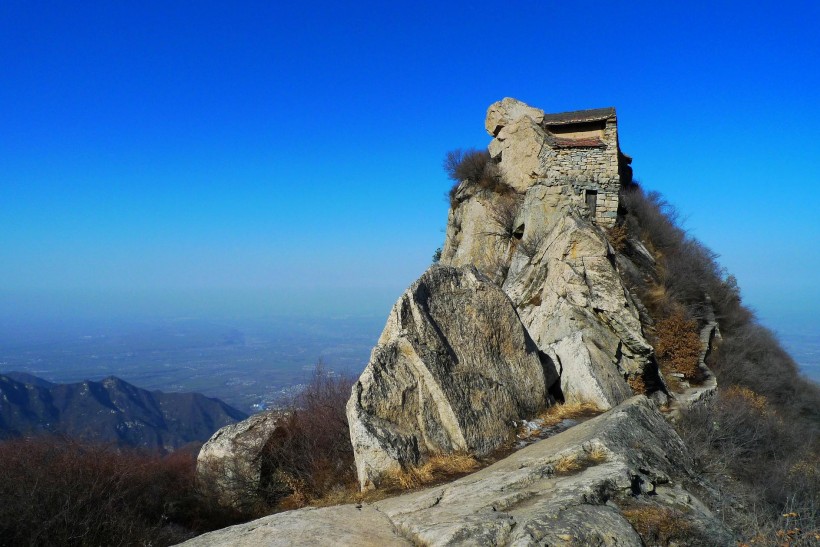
x,y
570,298
451,371
229,465
542,246
570,489
332,526
562,278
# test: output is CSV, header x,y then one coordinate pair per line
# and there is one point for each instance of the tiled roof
x,y
576,116
589,142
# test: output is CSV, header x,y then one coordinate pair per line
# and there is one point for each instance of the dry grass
x,y
597,455
568,464
437,468
557,413
573,463
660,525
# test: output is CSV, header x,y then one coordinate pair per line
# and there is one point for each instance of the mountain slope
x,y
110,411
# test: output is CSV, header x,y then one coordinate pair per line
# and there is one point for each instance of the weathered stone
x,y
451,371
475,237
343,525
572,302
519,146
565,490
229,465
508,111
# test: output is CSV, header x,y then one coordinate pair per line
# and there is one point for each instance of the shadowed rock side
x,y
229,465
576,488
554,262
451,371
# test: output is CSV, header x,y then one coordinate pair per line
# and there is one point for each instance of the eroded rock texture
x,y
576,488
452,370
229,465
551,256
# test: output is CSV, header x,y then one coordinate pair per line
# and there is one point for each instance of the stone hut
x,y
582,152
575,154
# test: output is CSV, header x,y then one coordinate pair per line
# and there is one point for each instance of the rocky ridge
x,y
570,489
528,307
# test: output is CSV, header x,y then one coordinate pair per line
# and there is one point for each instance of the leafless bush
x,y
759,457
503,212
59,492
651,218
658,525
466,164
310,454
476,167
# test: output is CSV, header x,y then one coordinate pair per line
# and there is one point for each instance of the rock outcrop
x,y
452,370
584,486
229,465
529,304
456,363
551,256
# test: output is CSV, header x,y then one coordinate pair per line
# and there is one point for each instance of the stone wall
x,y
585,165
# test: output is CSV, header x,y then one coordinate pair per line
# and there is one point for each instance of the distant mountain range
x,y
109,411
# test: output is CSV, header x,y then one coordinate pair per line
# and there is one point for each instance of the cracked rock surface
x,y
565,490
452,370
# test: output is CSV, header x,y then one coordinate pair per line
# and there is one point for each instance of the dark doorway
x,y
592,201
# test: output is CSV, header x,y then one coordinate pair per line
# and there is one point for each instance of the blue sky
x,y
178,152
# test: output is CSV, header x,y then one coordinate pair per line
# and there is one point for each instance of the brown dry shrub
x,y
617,236
310,455
678,345
475,167
637,383
557,413
56,491
661,525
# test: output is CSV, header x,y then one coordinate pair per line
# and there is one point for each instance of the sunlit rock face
x,y
544,243
575,488
452,370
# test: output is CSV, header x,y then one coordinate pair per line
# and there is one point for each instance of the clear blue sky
x,y
200,150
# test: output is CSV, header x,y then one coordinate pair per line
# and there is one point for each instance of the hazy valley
x,y
250,364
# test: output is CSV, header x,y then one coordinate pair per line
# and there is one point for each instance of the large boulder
x,y
452,370
518,146
229,465
590,485
508,111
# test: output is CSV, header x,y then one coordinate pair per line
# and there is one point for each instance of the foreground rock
x,y
452,370
580,487
229,465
